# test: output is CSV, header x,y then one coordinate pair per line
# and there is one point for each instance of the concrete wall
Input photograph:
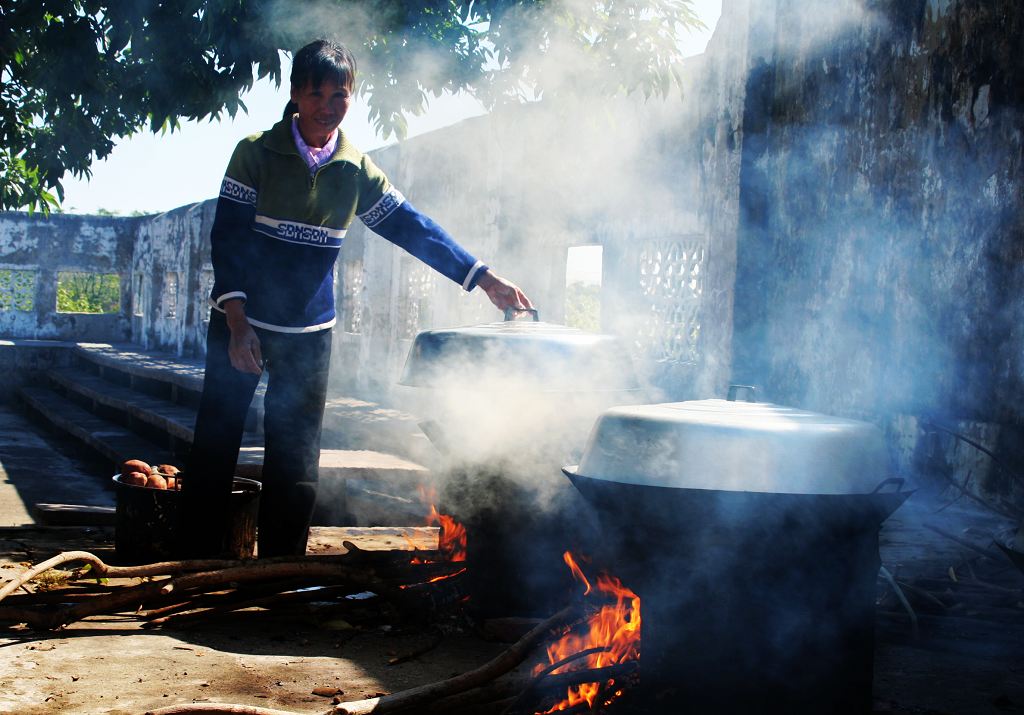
x,y
38,248
171,279
880,268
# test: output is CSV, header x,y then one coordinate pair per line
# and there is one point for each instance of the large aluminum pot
x,y
750,533
526,353
735,446
521,392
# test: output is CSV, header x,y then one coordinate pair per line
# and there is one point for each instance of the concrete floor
x,y
968,659
35,468
110,665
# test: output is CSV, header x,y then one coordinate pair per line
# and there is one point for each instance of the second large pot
x,y
750,533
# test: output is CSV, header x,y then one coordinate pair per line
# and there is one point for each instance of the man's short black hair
x,y
321,59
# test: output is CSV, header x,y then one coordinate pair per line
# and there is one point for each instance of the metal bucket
x,y
147,522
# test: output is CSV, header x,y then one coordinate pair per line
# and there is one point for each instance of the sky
x,y
155,173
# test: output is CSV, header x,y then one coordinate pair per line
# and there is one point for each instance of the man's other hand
x,y
244,346
503,293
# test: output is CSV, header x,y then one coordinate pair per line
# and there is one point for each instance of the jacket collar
x,y
279,139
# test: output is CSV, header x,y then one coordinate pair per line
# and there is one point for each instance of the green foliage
x,y
78,73
17,289
88,292
583,306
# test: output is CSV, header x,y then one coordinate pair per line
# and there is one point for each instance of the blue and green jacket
x,y
278,230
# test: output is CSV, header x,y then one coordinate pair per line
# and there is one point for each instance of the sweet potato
x,y
155,481
135,465
137,479
172,483
168,470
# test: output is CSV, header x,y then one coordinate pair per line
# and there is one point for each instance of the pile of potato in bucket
x,y
139,474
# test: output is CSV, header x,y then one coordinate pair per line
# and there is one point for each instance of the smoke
x,y
870,202
847,196
516,399
508,404
323,19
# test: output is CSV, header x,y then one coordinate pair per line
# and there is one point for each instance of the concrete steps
x,y
175,419
112,441
176,379
123,403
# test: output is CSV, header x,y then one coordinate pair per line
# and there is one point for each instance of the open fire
x,y
452,536
451,544
452,539
611,636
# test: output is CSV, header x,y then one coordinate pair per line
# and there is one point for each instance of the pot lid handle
x,y
898,482
511,313
749,389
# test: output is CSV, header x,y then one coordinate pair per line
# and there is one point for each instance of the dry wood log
x,y
135,597
923,593
14,614
504,662
224,599
60,595
411,574
495,694
97,568
963,542
217,709
994,508
391,556
902,599
500,694
183,584
424,600
436,637
531,689
271,599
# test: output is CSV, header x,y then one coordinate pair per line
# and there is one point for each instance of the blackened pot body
x,y
516,536
750,602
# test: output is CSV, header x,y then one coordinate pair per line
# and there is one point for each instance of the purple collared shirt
x,y
313,156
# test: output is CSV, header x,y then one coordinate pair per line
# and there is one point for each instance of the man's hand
x,y
504,294
244,346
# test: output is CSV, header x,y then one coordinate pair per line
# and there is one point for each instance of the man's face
x,y
321,109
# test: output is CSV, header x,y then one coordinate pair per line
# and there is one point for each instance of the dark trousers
x,y
297,366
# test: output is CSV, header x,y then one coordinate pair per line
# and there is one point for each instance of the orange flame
x,y
452,539
447,576
613,632
452,535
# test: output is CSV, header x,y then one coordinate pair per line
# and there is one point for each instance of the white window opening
x,y
583,268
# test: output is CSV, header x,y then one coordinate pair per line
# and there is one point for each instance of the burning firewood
x,y
500,665
609,639
413,697
179,584
594,651
612,637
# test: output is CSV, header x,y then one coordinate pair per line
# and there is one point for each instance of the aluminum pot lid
x,y
526,353
735,446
